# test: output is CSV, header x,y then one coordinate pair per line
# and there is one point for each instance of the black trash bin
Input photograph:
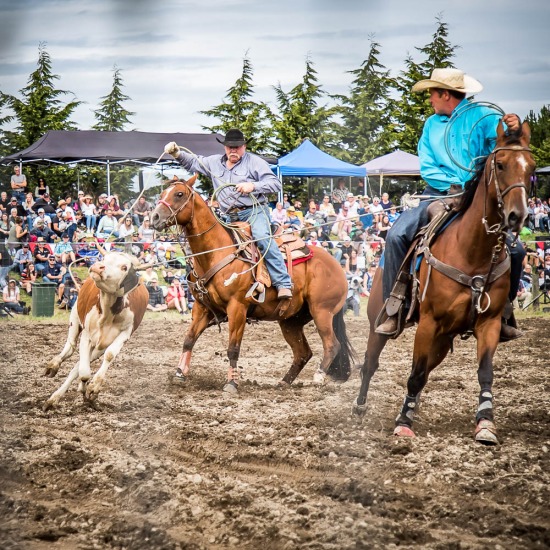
x,y
43,299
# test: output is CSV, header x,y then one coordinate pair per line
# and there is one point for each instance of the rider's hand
x,y
245,187
512,122
172,149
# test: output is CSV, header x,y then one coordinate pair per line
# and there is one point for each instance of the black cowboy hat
x,y
233,138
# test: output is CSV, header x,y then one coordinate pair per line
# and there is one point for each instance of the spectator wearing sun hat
x,y
89,211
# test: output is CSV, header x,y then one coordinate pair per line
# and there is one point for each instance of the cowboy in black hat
x,y
252,176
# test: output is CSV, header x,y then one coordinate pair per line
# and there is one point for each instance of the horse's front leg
x,y
201,317
236,316
487,340
429,350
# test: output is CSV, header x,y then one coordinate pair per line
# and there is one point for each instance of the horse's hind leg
x,y
429,351
293,332
375,345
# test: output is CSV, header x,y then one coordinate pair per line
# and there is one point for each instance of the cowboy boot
x,y
509,327
393,305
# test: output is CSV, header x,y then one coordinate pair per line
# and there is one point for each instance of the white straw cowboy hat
x,y
449,79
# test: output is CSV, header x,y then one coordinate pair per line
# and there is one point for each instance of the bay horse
x,y
469,293
220,288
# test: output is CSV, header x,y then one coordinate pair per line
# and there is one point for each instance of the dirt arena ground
x,y
159,466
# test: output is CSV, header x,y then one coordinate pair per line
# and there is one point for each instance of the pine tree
x,y
111,115
412,109
367,130
38,110
240,111
301,117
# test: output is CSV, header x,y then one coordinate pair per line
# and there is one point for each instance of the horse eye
x,y
500,166
179,195
124,268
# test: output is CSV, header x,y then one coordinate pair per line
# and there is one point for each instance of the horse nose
x,y
516,220
155,219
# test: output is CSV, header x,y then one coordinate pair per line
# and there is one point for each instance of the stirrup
x,y
256,292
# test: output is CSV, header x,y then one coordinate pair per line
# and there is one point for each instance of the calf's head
x,y
116,273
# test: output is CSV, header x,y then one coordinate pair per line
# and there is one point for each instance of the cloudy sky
x,y
179,57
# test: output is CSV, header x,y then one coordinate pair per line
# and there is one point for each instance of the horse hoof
x,y
403,431
231,387
48,405
178,377
319,377
359,410
486,433
282,385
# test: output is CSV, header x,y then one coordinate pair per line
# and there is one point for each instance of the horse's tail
x,y
340,368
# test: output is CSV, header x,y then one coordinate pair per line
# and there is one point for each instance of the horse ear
x,y
500,131
526,132
192,181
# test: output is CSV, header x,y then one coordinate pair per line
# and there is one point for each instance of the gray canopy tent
x,y
111,148
398,163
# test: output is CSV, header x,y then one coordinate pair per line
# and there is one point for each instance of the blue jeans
x,y
260,223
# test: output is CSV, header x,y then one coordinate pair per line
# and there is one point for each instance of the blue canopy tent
x,y
397,163
308,160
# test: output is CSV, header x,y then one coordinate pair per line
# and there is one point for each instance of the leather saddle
x,y
291,245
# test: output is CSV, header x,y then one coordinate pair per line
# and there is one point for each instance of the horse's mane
x,y
470,189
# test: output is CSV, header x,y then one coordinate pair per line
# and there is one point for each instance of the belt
x,y
241,208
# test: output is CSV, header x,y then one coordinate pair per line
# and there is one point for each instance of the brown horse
x,y
220,290
469,294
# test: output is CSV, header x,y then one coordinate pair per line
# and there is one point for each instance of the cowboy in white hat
x,y
444,156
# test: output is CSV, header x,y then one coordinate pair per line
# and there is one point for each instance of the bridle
x,y
500,227
173,218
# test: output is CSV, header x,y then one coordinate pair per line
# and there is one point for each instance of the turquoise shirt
x,y
465,138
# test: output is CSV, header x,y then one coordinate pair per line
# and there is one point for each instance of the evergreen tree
x,y
240,111
301,117
39,110
412,109
367,130
111,115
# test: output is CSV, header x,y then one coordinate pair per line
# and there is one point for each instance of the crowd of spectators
x,y
40,237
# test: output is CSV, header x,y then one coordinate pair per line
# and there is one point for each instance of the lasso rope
x,y
497,112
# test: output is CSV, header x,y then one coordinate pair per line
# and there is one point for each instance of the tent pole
x,y
108,178
381,180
